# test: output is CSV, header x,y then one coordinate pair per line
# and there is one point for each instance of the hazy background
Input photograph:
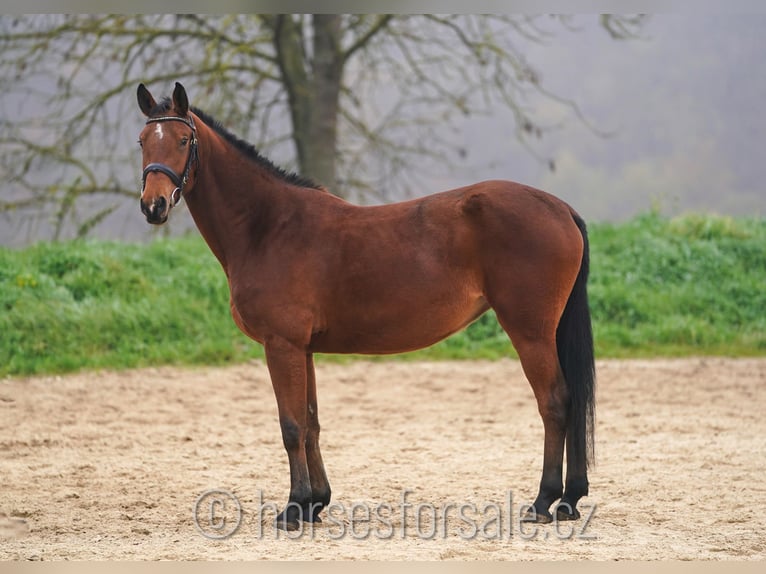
x,y
685,103
682,105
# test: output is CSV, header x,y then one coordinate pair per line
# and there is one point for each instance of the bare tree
x,y
360,100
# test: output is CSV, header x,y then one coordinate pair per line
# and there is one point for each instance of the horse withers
x,y
309,272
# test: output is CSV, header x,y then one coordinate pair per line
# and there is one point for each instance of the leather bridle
x,y
178,181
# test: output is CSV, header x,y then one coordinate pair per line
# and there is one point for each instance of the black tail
x,y
574,340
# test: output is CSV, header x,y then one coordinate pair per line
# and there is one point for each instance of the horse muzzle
x,y
157,211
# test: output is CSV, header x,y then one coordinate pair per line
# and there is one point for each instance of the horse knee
x,y
291,434
312,430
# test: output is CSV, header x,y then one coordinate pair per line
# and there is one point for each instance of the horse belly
x,y
373,330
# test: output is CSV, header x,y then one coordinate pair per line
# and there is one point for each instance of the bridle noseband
x,y
178,181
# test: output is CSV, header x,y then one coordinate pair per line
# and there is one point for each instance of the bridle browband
x,y
178,181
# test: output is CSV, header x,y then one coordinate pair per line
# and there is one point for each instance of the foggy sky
x,y
683,104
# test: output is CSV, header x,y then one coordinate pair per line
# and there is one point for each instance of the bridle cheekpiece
x,y
178,181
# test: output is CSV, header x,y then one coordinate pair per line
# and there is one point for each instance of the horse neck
x,y
233,199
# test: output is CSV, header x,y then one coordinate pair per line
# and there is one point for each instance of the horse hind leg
x,y
541,367
576,485
540,362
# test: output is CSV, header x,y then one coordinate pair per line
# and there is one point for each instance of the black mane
x,y
246,148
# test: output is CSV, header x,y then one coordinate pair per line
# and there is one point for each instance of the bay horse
x,y
309,272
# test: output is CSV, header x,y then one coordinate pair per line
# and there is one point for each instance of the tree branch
x,y
377,27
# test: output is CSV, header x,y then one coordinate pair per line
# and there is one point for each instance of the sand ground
x,y
426,461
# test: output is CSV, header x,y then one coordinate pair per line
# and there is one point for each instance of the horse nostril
x,y
156,210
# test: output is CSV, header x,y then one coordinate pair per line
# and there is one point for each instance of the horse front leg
x,y
288,369
320,487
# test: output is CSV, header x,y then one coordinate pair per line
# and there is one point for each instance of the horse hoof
x,y
289,519
288,525
537,517
562,513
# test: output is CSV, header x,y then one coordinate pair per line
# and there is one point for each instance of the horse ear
x,y
180,100
145,100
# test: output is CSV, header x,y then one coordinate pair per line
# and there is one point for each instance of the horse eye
x,y
184,141
140,144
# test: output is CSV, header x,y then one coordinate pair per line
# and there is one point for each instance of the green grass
x,y
692,285
67,306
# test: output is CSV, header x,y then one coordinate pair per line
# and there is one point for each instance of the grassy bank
x,y
687,286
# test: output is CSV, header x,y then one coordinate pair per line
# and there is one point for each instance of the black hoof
x,y
565,511
536,516
283,524
291,517
316,508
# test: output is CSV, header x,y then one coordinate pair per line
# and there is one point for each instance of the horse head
x,y
169,146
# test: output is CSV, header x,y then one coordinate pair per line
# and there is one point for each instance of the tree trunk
x,y
313,88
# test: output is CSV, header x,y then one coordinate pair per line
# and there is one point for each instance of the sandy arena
x,y
426,461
